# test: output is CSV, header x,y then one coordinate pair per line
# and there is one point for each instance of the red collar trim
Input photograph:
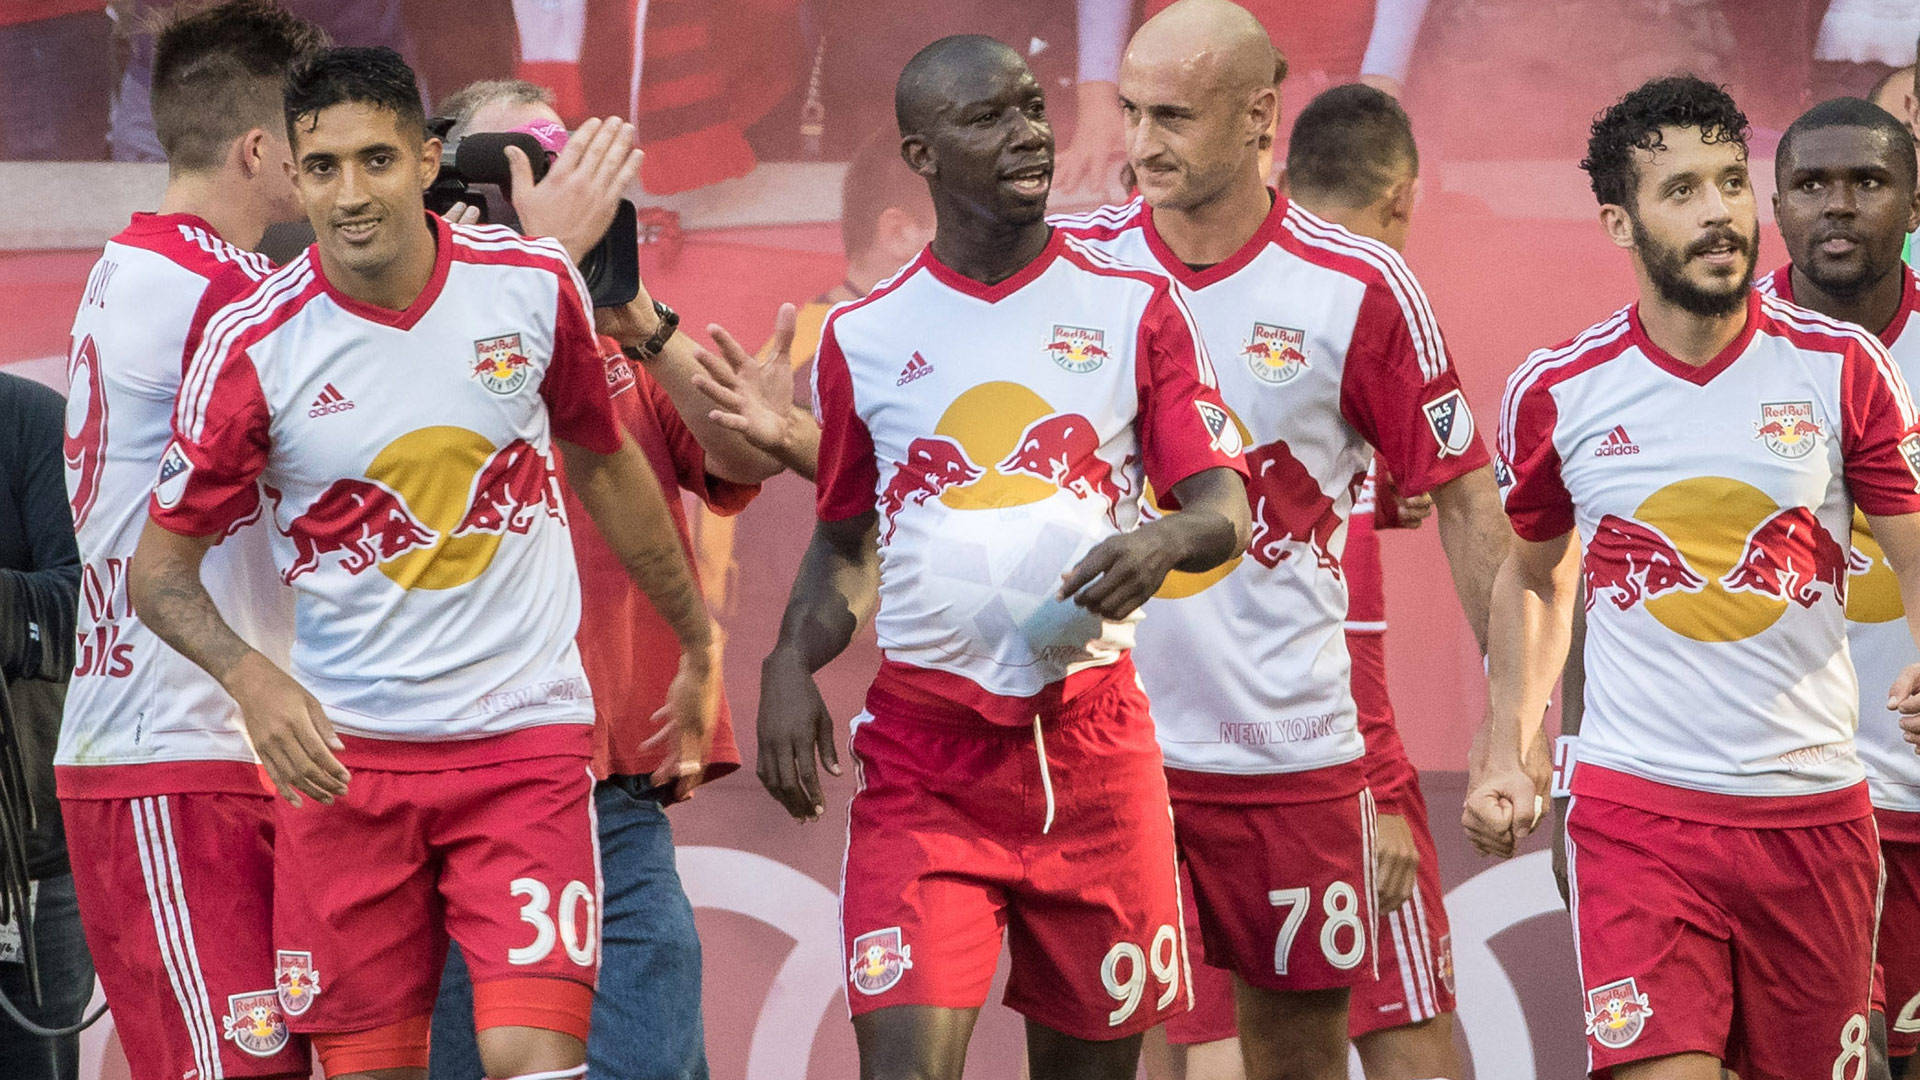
x,y
144,221
1199,279
399,320
1702,375
1909,299
999,290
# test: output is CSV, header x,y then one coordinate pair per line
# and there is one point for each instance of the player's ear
x,y
1618,221
918,155
252,150
1913,210
429,162
1263,108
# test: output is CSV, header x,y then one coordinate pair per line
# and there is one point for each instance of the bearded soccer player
x,y
1710,444
987,416
1846,201
424,533
1328,353
170,824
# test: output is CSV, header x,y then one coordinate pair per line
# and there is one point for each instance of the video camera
x,y
473,170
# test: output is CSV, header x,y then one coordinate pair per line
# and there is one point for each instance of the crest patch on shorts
x,y
880,958
1617,1013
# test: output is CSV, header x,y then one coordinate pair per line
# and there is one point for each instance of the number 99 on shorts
x,y
1126,969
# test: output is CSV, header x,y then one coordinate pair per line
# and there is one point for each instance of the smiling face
x,y
361,175
1694,224
1845,206
989,144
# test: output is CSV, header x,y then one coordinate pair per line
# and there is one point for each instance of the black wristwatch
x,y
650,348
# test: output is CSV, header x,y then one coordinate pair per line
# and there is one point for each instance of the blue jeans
x,y
66,983
646,1014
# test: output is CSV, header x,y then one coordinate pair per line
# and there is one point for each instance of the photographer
x,y
646,1019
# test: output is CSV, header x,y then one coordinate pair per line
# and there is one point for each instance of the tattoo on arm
x,y
164,585
625,501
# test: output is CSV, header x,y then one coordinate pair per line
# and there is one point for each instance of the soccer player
x,y
1334,355
1846,200
170,823
988,416
424,532
1710,444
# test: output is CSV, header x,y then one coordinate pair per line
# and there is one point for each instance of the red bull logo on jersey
x,y
254,1023
1628,561
500,365
517,484
1275,354
1617,1013
934,464
880,958
1789,429
296,983
1064,450
1288,508
1078,349
364,520
1792,556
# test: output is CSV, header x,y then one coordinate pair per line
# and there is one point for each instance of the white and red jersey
x,y
1000,432
407,462
140,718
1715,503
1326,350
1877,633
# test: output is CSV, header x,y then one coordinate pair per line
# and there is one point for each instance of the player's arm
x,y
1474,533
288,727
1528,632
1573,706
753,396
836,589
1124,570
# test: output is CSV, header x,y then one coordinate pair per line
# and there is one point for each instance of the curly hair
x,y
375,76
1635,122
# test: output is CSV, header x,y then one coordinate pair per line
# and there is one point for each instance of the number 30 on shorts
x,y
538,911
1124,973
1341,905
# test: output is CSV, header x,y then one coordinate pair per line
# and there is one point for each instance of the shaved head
x,y
941,74
1213,46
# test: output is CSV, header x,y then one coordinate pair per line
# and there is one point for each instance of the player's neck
x,y
206,196
1687,337
988,250
1212,231
1367,221
865,272
396,285
1873,307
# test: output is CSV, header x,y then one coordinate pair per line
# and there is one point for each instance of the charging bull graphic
x,y
933,465
1288,507
509,493
365,519
1791,555
1634,561
1064,450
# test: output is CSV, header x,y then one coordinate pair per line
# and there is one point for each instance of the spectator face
x,y
360,178
1694,224
1845,207
990,145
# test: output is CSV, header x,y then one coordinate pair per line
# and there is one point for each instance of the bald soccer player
x,y
1328,354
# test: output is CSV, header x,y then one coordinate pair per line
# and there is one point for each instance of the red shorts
x,y
1211,1018
500,857
1285,890
1671,917
1416,944
176,901
1898,960
953,834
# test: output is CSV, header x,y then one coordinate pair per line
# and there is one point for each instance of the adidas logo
x,y
915,368
329,401
1615,444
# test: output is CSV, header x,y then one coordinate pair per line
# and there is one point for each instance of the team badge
x,y
174,470
500,365
1502,473
1910,450
1452,423
1443,960
1222,432
1617,1013
254,1023
1789,429
295,981
879,959
1077,348
1275,354
620,377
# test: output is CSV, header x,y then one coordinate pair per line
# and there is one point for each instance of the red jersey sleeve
x,y
575,384
1400,391
1879,446
1529,467
723,497
208,475
223,288
1184,427
848,475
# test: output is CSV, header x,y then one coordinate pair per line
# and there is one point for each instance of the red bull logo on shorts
x,y
1064,450
254,1023
365,520
1078,349
1629,561
500,365
1792,556
1275,354
934,464
296,983
880,958
1789,429
1617,1013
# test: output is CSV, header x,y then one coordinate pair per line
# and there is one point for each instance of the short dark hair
x,y
921,87
1850,112
1634,123
217,73
877,179
1351,143
375,76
